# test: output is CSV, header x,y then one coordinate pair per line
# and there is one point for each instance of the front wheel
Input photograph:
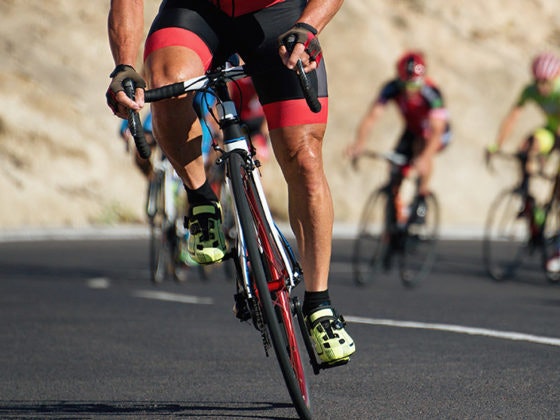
x,y
275,304
372,254
419,238
506,235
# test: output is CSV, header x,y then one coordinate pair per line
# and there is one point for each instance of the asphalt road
x,y
85,335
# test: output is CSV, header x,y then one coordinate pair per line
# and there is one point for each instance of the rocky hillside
x,y
63,164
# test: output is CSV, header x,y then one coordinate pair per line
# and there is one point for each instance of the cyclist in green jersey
x,y
544,91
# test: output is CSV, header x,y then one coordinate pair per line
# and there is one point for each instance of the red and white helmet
x,y
546,66
410,66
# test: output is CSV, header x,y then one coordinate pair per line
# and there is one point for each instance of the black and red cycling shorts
x,y
215,35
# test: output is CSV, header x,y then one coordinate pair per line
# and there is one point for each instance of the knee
x,y
303,163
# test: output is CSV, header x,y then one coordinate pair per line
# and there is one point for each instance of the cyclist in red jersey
x,y
184,40
419,100
421,105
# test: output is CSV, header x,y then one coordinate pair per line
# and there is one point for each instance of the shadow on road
x,y
138,409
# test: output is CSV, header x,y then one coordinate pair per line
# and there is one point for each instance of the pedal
x,y
240,309
296,308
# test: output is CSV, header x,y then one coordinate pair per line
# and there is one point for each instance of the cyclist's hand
x,y
116,97
490,150
353,152
422,164
300,42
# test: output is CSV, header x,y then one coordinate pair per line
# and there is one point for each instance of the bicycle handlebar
x,y
211,79
519,156
394,158
308,91
135,125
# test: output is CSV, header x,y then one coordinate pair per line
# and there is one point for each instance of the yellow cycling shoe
x,y
331,341
206,243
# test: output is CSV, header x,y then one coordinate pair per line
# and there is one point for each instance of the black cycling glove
x,y
302,33
120,74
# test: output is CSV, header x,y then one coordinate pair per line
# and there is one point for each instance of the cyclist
x,y
421,105
544,91
185,38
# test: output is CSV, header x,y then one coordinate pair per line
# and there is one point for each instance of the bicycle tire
x,y
551,239
372,252
420,237
158,254
506,235
276,309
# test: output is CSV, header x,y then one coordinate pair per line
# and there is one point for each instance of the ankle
x,y
314,300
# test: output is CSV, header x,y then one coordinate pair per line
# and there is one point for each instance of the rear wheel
x,y
275,305
419,242
506,235
372,253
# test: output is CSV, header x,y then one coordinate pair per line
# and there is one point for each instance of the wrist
x,y
119,68
306,26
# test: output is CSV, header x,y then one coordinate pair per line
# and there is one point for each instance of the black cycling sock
x,y
201,195
312,300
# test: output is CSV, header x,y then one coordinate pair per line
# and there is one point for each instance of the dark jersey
x,y
417,108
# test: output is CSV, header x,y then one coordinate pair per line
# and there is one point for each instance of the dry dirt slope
x,y
62,164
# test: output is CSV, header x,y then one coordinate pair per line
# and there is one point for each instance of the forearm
x,y
318,13
126,30
507,126
434,138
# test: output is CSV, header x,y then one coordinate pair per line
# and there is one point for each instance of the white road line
x,y
172,297
506,335
99,283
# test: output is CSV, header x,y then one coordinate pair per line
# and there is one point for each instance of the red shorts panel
x,y
178,37
294,112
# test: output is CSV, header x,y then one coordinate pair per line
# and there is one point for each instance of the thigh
x,y
278,87
406,145
193,24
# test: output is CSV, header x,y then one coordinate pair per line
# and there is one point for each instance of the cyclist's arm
x,y
437,127
126,31
365,127
317,14
507,125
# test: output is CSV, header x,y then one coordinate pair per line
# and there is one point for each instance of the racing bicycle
x,y
267,271
396,225
519,227
166,209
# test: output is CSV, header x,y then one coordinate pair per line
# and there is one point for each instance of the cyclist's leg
x,y
175,52
297,139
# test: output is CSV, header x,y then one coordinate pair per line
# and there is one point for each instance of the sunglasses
x,y
415,83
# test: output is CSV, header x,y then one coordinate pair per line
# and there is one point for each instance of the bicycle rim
x,y
372,254
277,313
419,246
505,235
